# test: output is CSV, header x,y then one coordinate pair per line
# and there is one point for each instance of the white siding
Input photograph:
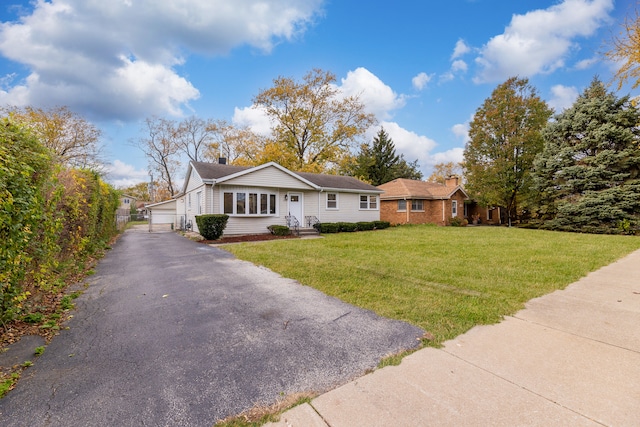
x,y
192,208
251,225
271,176
349,210
213,202
194,181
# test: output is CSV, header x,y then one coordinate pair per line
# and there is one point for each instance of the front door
x,y
295,206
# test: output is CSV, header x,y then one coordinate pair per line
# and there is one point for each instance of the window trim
x,y
414,203
454,208
249,195
375,198
336,201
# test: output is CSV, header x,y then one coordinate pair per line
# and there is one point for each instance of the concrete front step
x,y
308,232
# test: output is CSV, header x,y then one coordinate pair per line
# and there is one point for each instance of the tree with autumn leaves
x,y
505,137
315,127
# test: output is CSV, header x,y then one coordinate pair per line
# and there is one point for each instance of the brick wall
x,y
432,213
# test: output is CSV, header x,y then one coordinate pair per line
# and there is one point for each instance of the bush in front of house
x,y
381,225
328,227
212,226
456,221
365,226
279,230
347,227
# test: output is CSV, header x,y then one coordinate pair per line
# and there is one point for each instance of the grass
x,y
443,279
260,415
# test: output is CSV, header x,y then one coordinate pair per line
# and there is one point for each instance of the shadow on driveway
x,y
172,332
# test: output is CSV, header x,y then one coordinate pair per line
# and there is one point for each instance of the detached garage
x,y
162,215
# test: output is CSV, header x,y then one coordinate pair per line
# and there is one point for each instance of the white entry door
x,y
295,206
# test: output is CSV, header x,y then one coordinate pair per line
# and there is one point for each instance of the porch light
x,y
286,197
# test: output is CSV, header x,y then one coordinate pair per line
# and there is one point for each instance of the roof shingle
x,y
212,171
412,189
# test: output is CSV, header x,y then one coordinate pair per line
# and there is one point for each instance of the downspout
x,y
406,209
319,201
444,222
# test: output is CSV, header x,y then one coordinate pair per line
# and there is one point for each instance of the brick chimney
x,y
452,181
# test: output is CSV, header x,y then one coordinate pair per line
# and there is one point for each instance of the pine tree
x,y
378,163
588,175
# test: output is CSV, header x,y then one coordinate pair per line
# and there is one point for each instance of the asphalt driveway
x,y
172,332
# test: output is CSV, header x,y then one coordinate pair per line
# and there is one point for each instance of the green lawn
x,y
442,279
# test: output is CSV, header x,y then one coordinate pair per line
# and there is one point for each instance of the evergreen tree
x,y
378,163
588,175
505,136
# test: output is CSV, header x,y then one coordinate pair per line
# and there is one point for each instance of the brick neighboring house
x,y
407,201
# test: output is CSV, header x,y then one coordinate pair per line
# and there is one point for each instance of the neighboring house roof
x,y
402,188
216,173
163,204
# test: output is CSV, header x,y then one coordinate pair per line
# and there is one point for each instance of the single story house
x,y
408,201
270,194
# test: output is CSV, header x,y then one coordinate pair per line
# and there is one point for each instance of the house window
x,y
228,203
241,203
253,203
264,204
368,202
454,208
199,202
417,205
189,201
332,201
272,204
402,205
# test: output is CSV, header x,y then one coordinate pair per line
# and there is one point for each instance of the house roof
x,y
337,182
217,172
209,171
402,188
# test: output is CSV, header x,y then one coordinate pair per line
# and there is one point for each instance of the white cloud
x,y
254,118
460,49
122,175
459,65
377,97
455,155
586,63
118,59
539,41
562,97
461,131
421,80
446,77
408,143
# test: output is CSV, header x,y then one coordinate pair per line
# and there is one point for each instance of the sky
x,y
422,67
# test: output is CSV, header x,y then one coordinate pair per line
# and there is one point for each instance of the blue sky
x,y
422,67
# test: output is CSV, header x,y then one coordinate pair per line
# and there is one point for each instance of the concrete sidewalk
x,y
570,358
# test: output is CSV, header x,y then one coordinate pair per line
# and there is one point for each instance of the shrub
x,y
279,230
456,221
329,227
212,226
365,226
381,225
347,227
